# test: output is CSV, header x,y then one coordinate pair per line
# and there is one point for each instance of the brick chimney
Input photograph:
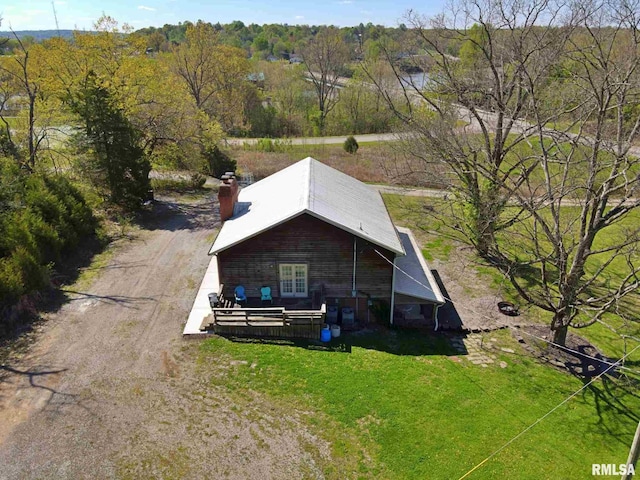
x,y
228,195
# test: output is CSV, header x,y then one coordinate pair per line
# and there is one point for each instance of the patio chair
x,y
265,295
241,297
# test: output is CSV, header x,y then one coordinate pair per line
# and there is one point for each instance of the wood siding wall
x,y
327,250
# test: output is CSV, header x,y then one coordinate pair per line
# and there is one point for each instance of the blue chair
x,y
265,295
241,298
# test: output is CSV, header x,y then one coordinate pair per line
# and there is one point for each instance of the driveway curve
x,y
111,390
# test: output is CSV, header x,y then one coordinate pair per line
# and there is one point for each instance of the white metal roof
x,y
309,186
414,278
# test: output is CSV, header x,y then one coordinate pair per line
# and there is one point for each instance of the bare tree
x,y
468,115
544,173
17,84
325,56
578,252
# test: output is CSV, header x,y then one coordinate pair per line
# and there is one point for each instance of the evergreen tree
x,y
116,159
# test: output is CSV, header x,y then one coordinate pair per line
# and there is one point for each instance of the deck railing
x,y
265,322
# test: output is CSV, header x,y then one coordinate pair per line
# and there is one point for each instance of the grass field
x,y
375,162
396,404
400,405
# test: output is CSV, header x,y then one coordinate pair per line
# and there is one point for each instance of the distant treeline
x,y
277,40
8,39
38,34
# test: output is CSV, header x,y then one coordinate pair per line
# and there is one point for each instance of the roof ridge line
x,y
307,199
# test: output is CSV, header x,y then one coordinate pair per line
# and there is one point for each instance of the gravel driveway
x,y
111,390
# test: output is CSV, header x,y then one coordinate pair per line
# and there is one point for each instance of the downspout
x,y
353,283
393,291
435,316
354,292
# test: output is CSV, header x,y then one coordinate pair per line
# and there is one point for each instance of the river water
x,y
418,79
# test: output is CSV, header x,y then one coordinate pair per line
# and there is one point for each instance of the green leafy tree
x,y
325,56
115,159
214,74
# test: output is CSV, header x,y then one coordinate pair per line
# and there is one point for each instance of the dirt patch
x,y
578,356
109,389
474,306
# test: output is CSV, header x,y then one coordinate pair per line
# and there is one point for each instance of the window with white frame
x,y
293,279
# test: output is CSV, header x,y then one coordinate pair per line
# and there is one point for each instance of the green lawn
x,y
401,405
398,405
13,122
439,241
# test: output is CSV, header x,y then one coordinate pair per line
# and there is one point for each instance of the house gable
x,y
326,250
311,187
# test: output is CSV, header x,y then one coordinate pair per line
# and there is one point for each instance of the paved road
x,y
411,191
372,137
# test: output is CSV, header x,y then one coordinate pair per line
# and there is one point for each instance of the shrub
x,y
77,213
40,217
11,286
265,145
268,145
219,162
198,180
350,145
34,274
179,184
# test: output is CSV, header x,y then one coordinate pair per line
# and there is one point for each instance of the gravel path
x,y
110,389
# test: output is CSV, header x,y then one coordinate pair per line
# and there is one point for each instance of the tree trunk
x,y
559,330
485,239
484,243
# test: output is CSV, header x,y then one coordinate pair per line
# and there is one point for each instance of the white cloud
x,y
345,2
60,3
148,9
299,17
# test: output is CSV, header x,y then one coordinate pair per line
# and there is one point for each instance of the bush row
x,y
178,184
41,218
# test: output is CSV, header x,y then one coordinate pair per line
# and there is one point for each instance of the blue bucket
x,y
325,334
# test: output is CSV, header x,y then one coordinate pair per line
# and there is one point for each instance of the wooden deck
x,y
274,322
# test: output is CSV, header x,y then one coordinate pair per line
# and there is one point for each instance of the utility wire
x,y
567,349
597,377
545,416
489,318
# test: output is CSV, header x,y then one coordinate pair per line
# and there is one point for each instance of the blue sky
x,y
80,14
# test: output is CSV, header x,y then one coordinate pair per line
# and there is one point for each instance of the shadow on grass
x,y
613,399
395,342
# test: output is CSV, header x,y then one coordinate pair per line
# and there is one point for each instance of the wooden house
x,y
319,241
